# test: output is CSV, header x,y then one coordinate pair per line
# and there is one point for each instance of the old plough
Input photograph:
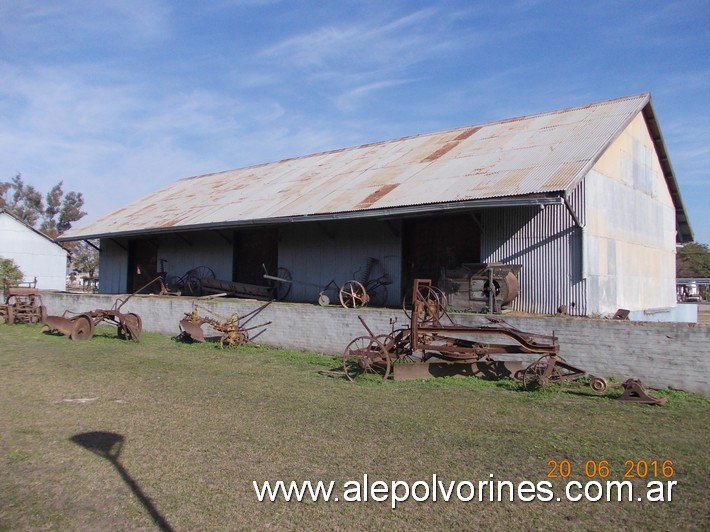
x,y
433,345
232,330
81,325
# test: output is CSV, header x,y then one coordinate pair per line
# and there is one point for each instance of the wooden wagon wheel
x,y
353,295
82,328
365,356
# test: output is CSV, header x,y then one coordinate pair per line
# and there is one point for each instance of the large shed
x,y
38,256
584,199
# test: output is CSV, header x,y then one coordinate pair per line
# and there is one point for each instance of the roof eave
x,y
383,213
684,233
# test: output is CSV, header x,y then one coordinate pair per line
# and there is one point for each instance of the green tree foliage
x,y
693,260
53,214
85,258
10,271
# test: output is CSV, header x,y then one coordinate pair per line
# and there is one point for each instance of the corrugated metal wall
x,y
318,253
113,267
548,244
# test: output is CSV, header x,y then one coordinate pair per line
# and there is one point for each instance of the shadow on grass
x,y
108,445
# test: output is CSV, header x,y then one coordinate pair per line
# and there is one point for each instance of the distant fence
x,y
662,355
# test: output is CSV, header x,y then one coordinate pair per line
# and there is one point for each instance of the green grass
x,y
199,424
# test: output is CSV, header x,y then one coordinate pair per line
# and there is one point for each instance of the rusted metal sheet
x,y
546,153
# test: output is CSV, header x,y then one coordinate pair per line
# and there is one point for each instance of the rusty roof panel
x,y
538,154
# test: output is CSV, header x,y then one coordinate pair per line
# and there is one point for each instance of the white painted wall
x,y
35,254
630,228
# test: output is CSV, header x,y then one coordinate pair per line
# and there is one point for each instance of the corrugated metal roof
x,y
539,154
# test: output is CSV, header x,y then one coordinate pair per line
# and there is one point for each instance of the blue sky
x,y
118,98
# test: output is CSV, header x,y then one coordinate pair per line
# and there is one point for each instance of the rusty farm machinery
x,y
368,286
232,330
433,345
23,303
81,325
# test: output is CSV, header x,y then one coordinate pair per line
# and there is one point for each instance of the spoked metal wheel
x,y
193,282
353,295
281,289
430,303
540,375
400,346
378,296
233,339
365,356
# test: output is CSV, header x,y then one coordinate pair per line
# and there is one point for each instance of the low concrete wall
x,y
662,355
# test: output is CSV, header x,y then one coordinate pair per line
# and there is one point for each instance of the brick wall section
x,y
662,355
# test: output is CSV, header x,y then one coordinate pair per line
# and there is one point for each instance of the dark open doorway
x,y
432,243
254,249
142,263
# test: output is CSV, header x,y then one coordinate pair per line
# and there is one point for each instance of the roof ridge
x,y
640,96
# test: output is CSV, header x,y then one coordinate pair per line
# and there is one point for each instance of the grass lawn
x,y
195,425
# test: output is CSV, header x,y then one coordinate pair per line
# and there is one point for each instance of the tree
x,y
85,258
10,271
693,260
55,213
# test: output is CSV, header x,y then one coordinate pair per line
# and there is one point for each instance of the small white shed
x,y
35,253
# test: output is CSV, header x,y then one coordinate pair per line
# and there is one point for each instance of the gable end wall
x,y
630,233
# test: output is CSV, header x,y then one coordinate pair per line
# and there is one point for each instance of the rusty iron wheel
x,y
598,385
353,295
401,350
282,289
365,356
534,376
130,327
82,328
233,339
379,296
433,301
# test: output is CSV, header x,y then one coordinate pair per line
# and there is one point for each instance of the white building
x,y
35,253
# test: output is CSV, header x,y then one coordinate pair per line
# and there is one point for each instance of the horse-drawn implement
x,y
232,330
81,325
433,345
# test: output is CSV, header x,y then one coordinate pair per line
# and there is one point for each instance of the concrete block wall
x,y
662,355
